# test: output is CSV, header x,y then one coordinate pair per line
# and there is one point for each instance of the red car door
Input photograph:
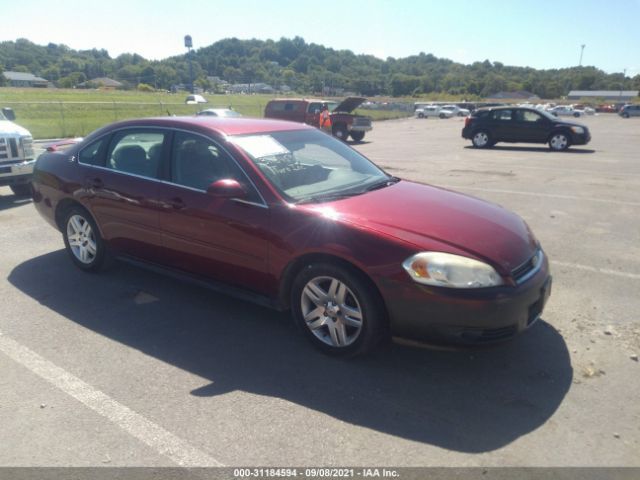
x,y
121,182
224,239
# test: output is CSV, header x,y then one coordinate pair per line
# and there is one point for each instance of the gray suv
x,y
630,111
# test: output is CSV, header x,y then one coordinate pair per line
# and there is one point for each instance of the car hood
x,y
428,217
10,128
565,123
349,104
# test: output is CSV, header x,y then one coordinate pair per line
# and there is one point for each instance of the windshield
x,y
311,166
2,117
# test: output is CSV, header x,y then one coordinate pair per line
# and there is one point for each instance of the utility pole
x,y
189,43
624,75
581,52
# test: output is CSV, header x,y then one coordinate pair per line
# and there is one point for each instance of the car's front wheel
x,y
481,139
83,241
339,131
357,136
559,142
338,311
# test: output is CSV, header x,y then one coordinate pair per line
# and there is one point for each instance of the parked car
x,y
195,99
456,110
218,112
629,111
606,108
282,214
566,111
433,111
488,126
16,154
344,122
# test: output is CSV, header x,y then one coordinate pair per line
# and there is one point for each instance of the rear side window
x,y
136,151
502,115
90,155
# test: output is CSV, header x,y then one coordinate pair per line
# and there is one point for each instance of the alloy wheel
x,y
331,311
82,240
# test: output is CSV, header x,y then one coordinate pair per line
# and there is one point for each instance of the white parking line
x,y
538,194
606,271
156,437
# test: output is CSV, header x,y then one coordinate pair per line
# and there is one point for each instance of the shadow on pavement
x,y
12,201
531,149
469,401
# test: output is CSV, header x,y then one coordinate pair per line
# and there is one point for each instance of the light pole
x,y
581,52
189,43
624,75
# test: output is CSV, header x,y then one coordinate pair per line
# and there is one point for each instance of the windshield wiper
x,y
385,183
327,197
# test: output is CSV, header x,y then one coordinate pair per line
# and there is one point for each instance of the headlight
x,y
578,130
448,270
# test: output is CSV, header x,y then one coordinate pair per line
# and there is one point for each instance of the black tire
x,y
576,114
559,141
357,136
340,132
442,115
21,189
625,115
482,139
95,260
359,296
421,115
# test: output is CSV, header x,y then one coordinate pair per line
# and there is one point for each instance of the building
x,y
517,95
21,79
104,83
614,95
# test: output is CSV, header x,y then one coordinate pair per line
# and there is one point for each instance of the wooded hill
x,y
305,67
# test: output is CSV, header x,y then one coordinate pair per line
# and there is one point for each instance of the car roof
x,y
207,124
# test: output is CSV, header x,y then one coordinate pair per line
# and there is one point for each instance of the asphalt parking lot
x,y
131,368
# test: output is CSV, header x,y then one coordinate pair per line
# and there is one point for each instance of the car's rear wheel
x,y
83,241
339,131
625,115
576,114
442,115
338,310
21,189
421,115
357,136
559,142
481,139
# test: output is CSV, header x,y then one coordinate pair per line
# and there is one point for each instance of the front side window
x,y
308,165
197,162
528,116
136,151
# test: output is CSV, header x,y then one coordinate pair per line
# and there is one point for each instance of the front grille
x,y
522,272
3,149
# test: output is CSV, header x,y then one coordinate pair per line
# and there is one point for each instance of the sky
x,y
540,34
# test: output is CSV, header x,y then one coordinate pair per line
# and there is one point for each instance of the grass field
x,y
54,113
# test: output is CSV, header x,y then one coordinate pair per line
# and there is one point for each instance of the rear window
x,y
284,106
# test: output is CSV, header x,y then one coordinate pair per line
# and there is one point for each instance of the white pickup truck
x,y
16,154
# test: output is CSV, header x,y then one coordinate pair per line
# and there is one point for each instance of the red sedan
x,y
287,216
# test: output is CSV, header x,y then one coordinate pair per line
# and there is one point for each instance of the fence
x,y
77,119
59,119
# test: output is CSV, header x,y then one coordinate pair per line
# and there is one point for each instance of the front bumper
x,y
581,139
16,173
460,316
359,128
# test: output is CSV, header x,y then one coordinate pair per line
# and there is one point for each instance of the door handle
x,y
95,183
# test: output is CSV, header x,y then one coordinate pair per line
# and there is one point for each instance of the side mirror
x,y
227,188
9,113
